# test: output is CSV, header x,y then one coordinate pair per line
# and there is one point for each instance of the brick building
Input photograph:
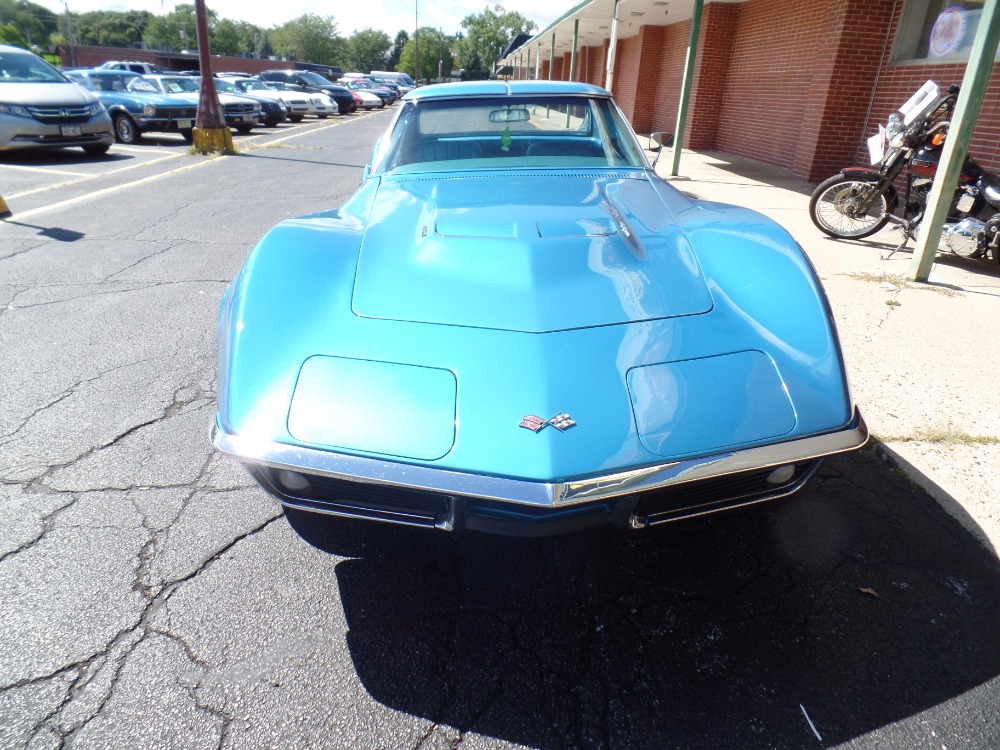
x,y
800,85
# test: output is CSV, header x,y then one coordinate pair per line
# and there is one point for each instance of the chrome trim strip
x,y
543,494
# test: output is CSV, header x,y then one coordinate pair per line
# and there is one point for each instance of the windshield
x,y
314,78
227,87
505,132
141,86
253,86
23,67
179,85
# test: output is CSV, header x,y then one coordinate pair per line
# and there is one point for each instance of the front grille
x,y
239,108
695,498
180,113
61,115
364,500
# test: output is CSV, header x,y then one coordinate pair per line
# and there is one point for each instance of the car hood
x,y
43,94
531,252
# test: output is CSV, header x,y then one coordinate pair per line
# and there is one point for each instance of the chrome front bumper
x,y
533,497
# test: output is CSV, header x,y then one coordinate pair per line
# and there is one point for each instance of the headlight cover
x,y
14,109
149,110
97,107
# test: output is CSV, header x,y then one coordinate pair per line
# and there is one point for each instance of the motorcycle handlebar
x,y
914,133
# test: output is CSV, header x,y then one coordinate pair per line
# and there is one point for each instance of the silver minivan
x,y
42,108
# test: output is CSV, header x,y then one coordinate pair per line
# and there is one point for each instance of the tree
x,y
487,33
434,47
10,35
232,37
397,50
367,50
34,23
309,38
177,30
474,68
108,28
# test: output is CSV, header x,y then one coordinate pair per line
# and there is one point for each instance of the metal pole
x,y
692,51
208,100
552,56
970,101
69,34
527,68
416,42
609,71
572,57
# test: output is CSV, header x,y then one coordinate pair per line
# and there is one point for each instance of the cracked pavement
x,y
152,596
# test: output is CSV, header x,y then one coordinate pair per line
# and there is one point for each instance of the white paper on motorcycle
x,y
918,105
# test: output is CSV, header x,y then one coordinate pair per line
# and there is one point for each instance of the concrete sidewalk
x,y
923,359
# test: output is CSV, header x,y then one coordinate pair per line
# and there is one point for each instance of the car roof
x,y
504,88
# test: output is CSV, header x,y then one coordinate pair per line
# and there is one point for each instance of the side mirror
x,y
662,139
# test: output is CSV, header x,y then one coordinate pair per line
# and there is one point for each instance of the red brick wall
x,y
668,80
716,40
626,79
592,61
88,56
771,75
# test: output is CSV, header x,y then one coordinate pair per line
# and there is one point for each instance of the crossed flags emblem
x,y
561,422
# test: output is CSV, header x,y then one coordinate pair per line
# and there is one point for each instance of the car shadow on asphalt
x,y
802,622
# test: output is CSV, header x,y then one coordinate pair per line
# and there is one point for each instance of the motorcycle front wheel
x,y
834,208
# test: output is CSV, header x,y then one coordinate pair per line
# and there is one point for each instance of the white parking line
x,y
44,170
107,191
86,177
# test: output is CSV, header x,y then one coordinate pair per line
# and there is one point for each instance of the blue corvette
x,y
515,326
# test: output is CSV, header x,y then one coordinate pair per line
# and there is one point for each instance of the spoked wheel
x,y
835,208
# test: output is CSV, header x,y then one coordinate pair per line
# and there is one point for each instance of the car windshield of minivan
x,y
314,78
24,68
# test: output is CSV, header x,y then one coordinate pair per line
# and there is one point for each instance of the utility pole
x,y
210,131
69,35
416,42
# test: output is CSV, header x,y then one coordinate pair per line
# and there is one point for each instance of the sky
x,y
386,15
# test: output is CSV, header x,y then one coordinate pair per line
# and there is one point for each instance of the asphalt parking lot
x,y
152,596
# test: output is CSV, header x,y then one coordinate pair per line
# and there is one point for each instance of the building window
x,y
937,30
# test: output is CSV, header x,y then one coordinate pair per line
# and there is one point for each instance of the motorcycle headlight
x,y
149,110
14,109
895,126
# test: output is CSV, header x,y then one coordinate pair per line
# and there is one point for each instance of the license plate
x,y
70,130
183,124
247,118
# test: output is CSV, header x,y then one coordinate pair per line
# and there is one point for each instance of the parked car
x,y
364,97
322,105
272,110
41,108
239,111
296,104
387,95
516,326
141,68
135,105
403,80
305,80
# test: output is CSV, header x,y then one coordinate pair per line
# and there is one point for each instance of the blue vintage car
x,y
136,107
515,326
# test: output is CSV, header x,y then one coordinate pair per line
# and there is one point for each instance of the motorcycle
x,y
859,201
